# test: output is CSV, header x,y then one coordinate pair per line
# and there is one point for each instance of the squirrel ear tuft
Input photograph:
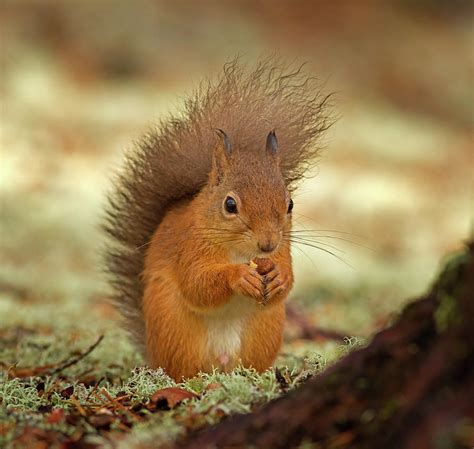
x,y
272,143
225,140
221,158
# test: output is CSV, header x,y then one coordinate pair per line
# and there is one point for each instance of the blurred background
x,y
81,80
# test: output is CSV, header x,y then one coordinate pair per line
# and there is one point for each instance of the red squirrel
x,y
200,221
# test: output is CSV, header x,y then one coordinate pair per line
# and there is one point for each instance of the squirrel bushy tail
x,y
172,161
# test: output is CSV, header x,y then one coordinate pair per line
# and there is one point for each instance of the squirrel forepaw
x,y
277,285
248,282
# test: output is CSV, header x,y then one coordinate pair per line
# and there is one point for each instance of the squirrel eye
x,y
290,206
230,205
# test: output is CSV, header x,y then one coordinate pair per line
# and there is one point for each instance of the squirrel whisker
x,y
142,246
311,236
216,233
327,230
322,249
310,240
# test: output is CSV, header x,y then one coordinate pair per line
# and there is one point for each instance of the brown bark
x,y
411,387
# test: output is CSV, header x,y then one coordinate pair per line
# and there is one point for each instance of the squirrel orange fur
x,y
200,197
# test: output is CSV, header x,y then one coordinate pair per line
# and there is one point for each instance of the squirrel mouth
x,y
241,253
263,254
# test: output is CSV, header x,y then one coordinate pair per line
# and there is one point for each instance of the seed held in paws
x,y
263,265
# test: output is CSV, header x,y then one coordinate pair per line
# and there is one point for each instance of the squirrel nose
x,y
268,246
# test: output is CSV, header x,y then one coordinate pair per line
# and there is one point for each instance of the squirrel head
x,y
248,206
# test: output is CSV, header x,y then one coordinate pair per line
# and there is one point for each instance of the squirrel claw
x,y
278,285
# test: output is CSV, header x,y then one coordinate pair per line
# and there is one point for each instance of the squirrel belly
x,y
185,333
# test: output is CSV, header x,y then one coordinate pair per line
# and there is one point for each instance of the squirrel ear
x,y
225,140
220,159
272,144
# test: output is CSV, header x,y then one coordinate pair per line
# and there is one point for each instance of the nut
x,y
263,265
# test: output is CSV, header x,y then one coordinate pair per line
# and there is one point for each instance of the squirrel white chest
x,y
225,329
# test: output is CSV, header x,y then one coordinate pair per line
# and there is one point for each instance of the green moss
x,y
389,409
142,383
16,394
350,344
451,270
447,313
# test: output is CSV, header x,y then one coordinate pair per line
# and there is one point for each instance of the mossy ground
x,y
37,338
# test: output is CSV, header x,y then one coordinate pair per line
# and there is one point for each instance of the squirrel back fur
x,y
172,162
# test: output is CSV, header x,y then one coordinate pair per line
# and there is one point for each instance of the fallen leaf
x,y
40,388
67,392
167,398
45,408
102,420
57,415
89,381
